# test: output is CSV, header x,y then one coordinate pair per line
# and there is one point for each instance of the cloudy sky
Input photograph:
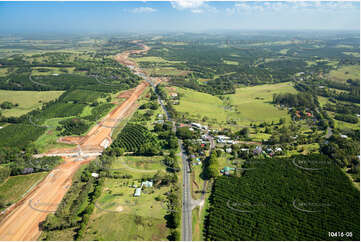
x,y
180,15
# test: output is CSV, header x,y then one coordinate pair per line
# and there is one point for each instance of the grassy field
x,y
16,186
248,104
322,100
27,100
330,62
345,72
3,71
48,140
52,71
206,105
137,218
284,51
355,54
154,59
254,103
163,71
228,62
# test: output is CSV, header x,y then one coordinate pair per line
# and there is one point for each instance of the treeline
x,y
14,161
210,168
102,74
344,151
77,205
299,100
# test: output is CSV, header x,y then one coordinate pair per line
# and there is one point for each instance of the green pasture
x,y
48,140
27,100
345,72
355,54
15,187
52,71
254,104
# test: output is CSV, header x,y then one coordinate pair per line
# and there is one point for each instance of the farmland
x,y
140,217
264,209
242,106
248,104
345,72
27,100
253,103
14,188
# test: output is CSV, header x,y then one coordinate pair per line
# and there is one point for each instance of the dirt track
x,y
22,220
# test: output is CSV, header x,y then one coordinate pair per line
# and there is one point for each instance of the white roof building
x,y
96,175
138,191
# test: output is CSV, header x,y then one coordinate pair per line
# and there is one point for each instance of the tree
x,y
244,132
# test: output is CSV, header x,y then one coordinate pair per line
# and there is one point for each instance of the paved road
x,y
186,198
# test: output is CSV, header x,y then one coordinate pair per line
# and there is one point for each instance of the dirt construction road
x,y
21,221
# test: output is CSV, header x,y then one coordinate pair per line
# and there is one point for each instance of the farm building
x,y
196,125
138,191
226,170
96,175
229,150
147,184
258,150
174,94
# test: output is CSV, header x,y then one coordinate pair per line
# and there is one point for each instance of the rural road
x,y
187,201
186,198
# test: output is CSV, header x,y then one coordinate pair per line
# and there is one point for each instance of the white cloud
x,y
256,6
143,10
187,4
195,6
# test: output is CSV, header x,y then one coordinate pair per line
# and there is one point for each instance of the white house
x,y
138,191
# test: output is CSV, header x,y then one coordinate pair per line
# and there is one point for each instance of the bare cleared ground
x,y
21,221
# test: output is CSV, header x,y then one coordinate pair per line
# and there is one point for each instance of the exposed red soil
x,y
21,221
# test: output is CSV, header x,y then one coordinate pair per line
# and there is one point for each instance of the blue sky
x,y
181,15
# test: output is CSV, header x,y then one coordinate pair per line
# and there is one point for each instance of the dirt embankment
x,y
21,221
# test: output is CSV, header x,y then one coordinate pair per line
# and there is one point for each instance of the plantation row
x,y
132,137
278,200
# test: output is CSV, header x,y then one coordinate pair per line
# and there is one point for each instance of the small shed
x,y
137,192
147,184
96,175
